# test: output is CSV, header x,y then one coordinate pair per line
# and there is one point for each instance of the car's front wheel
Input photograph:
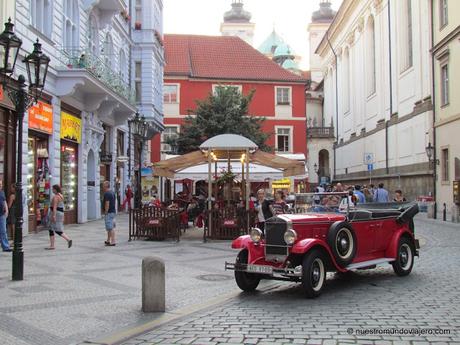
x,y
313,273
405,257
245,281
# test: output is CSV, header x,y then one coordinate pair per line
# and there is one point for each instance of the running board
x,y
369,263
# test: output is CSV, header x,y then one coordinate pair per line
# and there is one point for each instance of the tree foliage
x,y
223,112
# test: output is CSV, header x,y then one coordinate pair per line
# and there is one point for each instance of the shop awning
x,y
284,166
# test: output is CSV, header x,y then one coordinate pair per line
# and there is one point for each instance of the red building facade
x,y
195,65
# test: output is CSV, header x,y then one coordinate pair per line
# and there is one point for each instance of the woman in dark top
x,y
11,220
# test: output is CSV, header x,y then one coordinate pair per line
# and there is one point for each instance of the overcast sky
x,y
290,18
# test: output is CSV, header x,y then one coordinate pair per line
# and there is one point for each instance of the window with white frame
x,y
170,132
283,95
283,138
444,84
371,70
108,51
41,12
222,86
170,93
443,14
93,35
346,81
123,72
445,164
138,12
71,23
138,80
406,34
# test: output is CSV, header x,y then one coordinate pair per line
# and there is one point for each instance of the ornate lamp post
x,y
37,68
140,128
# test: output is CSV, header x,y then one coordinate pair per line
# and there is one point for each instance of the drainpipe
x,y
391,88
336,102
433,102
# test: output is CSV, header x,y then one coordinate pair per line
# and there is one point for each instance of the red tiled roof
x,y
220,57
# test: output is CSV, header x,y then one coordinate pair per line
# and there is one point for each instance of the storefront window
x,y
38,178
69,176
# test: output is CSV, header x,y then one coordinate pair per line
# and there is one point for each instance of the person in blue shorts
x,y
110,214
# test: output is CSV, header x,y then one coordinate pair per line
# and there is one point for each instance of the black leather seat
x,y
376,214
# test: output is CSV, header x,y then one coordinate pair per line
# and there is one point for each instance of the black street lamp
x,y
37,68
140,129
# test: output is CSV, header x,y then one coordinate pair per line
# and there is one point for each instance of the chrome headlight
x,y
290,236
256,235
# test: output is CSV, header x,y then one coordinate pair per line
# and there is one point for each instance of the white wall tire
x,y
404,262
313,273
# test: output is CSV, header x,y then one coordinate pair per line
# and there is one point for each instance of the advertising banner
x,y
70,127
41,117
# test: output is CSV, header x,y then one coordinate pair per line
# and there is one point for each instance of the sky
x,y
289,17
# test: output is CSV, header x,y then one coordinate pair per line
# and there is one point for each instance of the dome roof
x,y
231,142
270,44
237,14
324,14
283,50
290,65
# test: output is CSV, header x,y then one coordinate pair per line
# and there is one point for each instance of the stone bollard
x,y
153,284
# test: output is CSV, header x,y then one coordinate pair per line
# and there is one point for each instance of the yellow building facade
x,y
446,91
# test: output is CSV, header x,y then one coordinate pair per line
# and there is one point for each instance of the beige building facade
x,y
446,83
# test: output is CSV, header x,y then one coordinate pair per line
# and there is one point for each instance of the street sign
x,y
368,158
370,167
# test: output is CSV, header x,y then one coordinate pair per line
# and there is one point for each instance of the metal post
x,y
129,152
139,176
18,253
209,196
247,189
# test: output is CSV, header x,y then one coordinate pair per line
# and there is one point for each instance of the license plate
x,y
260,269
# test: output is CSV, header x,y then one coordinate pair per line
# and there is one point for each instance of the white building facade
x,y
378,53
77,134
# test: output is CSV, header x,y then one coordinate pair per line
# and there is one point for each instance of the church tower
x,y
320,21
237,22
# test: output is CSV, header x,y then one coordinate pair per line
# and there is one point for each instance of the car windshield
x,y
322,202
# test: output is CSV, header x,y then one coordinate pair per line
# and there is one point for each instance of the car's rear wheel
x,y
245,281
313,273
342,241
405,257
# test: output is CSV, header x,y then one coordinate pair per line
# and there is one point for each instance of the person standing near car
x,y
279,206
381,194
110,213
262,207
360,195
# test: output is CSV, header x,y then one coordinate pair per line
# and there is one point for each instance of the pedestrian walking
x,y
110,214
381,194
57,218
368,194
359,195
128,196
11,219
3,214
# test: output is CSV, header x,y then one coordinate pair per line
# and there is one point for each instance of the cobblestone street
x,y
426,299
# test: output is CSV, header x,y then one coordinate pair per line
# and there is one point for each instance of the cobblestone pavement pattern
x,y
428,298
87,291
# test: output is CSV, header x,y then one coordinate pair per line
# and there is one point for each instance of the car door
x,y
365,232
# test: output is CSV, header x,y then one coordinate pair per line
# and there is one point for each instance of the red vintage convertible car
x,y
303,247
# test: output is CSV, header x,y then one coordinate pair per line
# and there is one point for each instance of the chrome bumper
x,y
286,272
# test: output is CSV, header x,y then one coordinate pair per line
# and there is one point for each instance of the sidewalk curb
x,y
132,331
423,218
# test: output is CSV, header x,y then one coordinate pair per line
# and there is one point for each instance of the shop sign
x,y
70,127
41,117
283,183
106,158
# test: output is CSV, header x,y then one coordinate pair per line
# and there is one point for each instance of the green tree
x,y
223,112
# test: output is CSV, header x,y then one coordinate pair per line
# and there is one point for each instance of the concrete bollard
x,y
153,284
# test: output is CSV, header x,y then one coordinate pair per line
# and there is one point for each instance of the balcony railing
x,y
320,132
75,58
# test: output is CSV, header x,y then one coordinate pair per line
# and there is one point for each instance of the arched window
x,y
71,24
42,16
108,51
93,35
370,56
123,66
346,80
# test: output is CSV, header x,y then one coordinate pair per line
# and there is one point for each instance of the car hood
x,y
312,217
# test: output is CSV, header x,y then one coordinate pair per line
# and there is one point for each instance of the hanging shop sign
x,y
70,127
41,117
